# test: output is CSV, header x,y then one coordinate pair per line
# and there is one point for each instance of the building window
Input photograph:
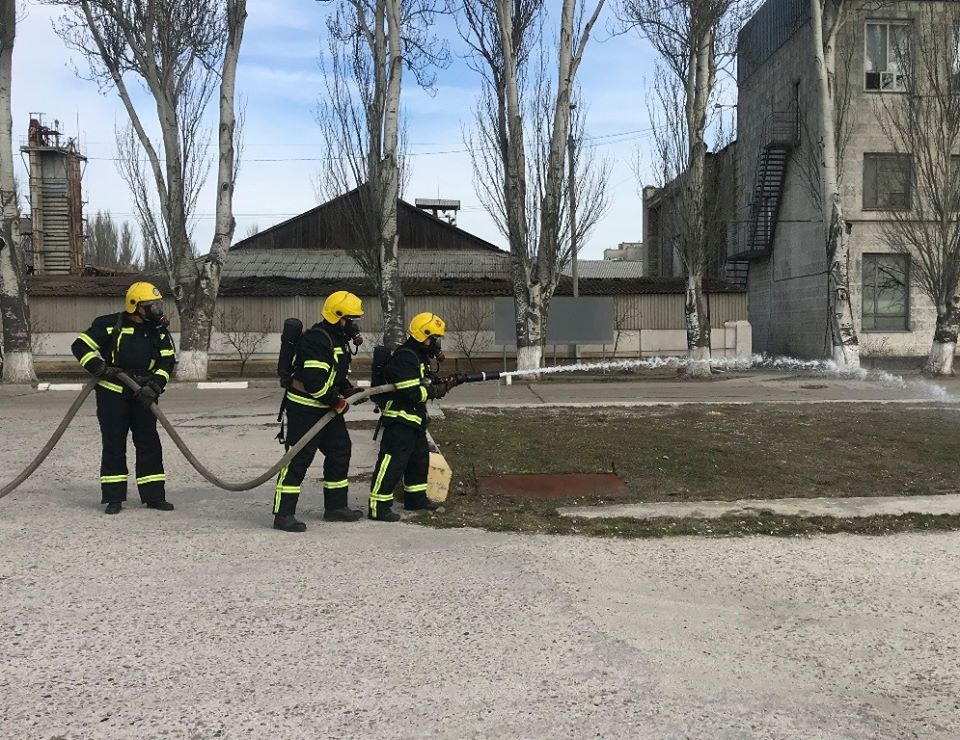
x,y
887,181
886,294
886,46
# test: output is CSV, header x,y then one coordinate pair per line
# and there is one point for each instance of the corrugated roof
x,y
66,285
622,269
329,265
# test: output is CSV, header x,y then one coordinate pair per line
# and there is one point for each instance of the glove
x,y
110,372
148,394
436,391
352,391
96,367
341,405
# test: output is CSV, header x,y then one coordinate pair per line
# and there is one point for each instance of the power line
x,y
593,141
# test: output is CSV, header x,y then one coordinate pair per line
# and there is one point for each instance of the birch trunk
x,y
391,290
199,284
526,284
14,307
845,349
940,359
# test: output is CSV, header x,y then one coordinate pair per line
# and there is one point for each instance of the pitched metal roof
x,y
331,265
614,269
115,285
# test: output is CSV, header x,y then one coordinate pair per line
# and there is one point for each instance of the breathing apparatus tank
x,y
289,339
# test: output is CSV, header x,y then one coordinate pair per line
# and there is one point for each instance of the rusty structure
x,y
56,203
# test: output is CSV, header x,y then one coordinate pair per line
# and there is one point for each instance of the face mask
x,y
154,314
352,329
433,349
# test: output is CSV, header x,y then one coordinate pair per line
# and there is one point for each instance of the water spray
x,y
818,368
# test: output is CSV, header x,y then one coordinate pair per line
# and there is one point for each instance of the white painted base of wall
x,y
18,368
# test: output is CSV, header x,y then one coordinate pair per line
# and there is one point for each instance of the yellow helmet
x,y
140,293
340,305
425,325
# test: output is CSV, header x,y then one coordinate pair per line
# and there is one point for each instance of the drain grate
x,y
570,485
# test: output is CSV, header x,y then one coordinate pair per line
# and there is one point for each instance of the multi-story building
x,y
780,231
663,222
625,252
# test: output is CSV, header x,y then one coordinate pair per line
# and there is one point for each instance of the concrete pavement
x,y
842,507
207,623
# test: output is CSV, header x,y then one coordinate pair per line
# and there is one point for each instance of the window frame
x,y
863,182
885,22
907,322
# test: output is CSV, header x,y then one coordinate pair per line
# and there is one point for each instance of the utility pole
x,y
572,192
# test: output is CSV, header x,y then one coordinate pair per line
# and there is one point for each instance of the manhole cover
x,y
572,485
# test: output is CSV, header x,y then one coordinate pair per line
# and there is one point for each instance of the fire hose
x,y
454,379
181,445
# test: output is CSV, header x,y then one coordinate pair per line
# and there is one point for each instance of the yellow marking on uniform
x,y
158,478
87,340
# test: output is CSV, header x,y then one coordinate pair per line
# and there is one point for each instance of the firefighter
x,y
404,452
319,383
137,342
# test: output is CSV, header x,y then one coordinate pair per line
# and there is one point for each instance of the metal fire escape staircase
x,y
780,138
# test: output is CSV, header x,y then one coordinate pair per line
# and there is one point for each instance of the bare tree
x,y
251,230
244,337
107,245
181,52
924,124
694,39
624,315
827,20
519,146
369,43
14,306
471,321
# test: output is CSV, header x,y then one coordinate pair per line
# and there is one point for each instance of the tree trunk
x,y
698,329
199,284
531,328
843,335
844,341
940,359
14,308
391,294
526,286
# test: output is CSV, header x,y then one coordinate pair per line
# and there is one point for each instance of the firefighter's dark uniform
x,y
321,366
146,354
404,451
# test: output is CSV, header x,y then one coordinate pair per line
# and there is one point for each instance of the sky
x,y
280,80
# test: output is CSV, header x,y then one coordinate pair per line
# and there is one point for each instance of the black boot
x,y
159,505
342,514
418,502
113,507
288,523
384,514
